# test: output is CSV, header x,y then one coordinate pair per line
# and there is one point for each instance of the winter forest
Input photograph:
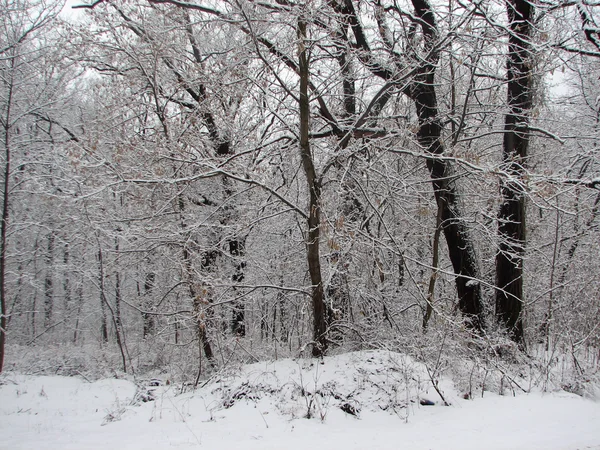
x,y
188,185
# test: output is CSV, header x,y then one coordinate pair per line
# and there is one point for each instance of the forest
x,y
187,184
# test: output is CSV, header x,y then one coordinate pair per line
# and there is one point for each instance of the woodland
x,y
191,183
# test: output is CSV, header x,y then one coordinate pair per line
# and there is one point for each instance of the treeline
x,y
260,177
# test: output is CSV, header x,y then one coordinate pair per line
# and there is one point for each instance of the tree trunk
x,y
103,302
460,245
119,333
5,215
49,282
434,270
67,282
148,319
200,297
511,217
422,91
313,234
33,313
79,294
237,249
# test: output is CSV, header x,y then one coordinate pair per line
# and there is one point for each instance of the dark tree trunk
x,y
49,282
460,245
119,333
67,282
283,316
148,327
422,91
237,249
33,314
313,233
511,217
103,301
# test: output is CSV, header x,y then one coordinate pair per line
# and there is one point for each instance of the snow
x,y
264,406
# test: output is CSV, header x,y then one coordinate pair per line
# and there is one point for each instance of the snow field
x,y
361,400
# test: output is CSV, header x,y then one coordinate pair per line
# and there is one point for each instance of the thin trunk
x,y
35,291
79,294
66,282
176,327
49,282
555,251
103,302
283,317
511,217
313,234
148,319
264,316
18,293
5,214
117,312
200,297
434,270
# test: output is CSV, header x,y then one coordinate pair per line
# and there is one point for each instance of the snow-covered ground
x,y
362,400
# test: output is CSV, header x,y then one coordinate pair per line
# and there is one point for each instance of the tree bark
x,y
5,216
314,218
237,249
119,332
103,301
49,282
148,319
511,217
460,245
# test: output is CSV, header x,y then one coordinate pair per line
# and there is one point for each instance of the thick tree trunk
x,y
511,217
422,91
313,233
460,245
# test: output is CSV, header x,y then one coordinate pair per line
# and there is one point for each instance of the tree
x,y
416,79
314,188
511,217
